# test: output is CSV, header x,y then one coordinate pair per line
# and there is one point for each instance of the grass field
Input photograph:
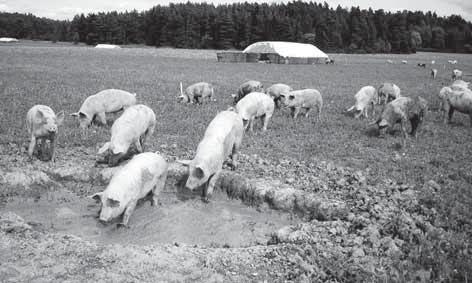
x,y
62,77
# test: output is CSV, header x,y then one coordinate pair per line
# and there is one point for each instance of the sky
x,y
66,9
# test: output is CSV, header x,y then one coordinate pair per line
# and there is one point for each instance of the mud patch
x,y
177,219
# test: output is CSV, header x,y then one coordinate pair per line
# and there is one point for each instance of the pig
x,y
145,173
303,98
388,92
389,61
276,91
434,73
401,110
404,62
453,62
460,84
422,65
456,74
366,98
95,106
196,93
459,99
245,88
42,124
134,126
255,105
222,139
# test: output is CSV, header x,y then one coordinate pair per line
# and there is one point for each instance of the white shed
x,y
8,39
107,46
286,52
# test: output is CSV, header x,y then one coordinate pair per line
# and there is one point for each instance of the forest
x,y
235,26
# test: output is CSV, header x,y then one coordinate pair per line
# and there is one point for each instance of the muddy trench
x,y
241,213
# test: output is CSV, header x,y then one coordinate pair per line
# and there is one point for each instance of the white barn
x,y
285,52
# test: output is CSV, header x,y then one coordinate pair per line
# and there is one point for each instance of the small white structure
x,y
8,39
107,46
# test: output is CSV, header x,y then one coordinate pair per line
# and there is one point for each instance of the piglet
x,y
145,173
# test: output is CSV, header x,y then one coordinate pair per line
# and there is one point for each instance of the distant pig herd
x,y
146,172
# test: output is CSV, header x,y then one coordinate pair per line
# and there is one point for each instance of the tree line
x,y
235,26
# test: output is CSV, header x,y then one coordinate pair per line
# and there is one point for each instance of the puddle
x,y
179,218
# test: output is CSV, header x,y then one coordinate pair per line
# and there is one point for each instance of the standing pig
x,y
144,173
133,127
196,93
43,125
305,98
106,101
401,110
388,92
459,99
456,74
365,98
255,105
276,91
222,138
245,88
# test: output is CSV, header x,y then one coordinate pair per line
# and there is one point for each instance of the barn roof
x,y
286,49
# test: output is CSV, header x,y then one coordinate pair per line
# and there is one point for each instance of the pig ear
x,y
60,117
113,202
184,162
291,96
97,196
39,114
104,148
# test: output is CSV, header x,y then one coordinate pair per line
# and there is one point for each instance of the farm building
x,y
277,52
8,39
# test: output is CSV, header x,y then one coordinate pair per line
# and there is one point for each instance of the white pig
x,y
222,139
459,99
134,126
144,173
106,101
42,124
365,98
388,92
255,105
276,91
304,98
196,93
456,74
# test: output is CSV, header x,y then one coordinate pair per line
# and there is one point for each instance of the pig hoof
x,y
122,225
206,199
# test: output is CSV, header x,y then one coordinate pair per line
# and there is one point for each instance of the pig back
x,y
137,178
109,100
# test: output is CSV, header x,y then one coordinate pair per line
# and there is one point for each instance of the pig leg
x,y
292,111
450,113
53,147
307,111
158,188
295,114
251,124
31,147
265,121
210,186
138,144
101,118
127,214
